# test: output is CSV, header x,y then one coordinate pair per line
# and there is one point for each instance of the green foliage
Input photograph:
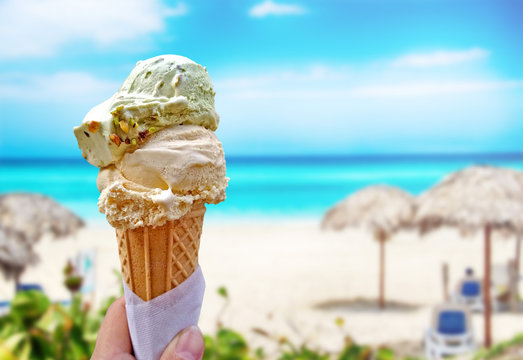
x,y
259,354
68,269
384,354
302,353
73,282
28,306
36,329
222,291
357,352
226,345
499,349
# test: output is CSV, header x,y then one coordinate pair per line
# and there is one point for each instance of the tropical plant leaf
x,y
222,291
6,354
29,305
13,342
384,354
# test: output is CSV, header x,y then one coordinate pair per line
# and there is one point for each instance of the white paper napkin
x,y
153,324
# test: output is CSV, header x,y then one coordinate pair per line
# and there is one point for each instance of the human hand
x,y
114,341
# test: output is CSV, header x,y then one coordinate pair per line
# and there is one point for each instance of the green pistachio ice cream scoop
x,y
159,92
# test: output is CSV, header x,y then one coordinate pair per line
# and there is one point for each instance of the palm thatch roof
x,y
24,220
472,198
15,253
35,215
380,208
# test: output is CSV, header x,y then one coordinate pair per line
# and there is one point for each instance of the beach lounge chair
x,y
26,287
450,333
502,287
470,292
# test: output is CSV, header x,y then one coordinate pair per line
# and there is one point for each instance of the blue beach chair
x,y
451,332
470,293
26,287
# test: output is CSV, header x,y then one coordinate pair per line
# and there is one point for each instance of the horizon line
x,y
516,155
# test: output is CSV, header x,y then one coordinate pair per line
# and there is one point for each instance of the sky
x,y
293,77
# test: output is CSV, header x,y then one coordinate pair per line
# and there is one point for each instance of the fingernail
x,y
190,345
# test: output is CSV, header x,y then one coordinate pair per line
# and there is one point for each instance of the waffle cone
x,y
155,260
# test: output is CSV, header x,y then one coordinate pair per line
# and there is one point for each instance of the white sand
x,y
276,272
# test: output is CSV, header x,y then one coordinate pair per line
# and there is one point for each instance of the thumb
x,y
188,344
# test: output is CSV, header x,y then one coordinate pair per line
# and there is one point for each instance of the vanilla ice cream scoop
x,y
159,92
160,181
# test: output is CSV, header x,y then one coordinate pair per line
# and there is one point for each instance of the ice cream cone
x,y
155,260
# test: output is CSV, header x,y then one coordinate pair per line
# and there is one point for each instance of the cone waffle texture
x,y
155,260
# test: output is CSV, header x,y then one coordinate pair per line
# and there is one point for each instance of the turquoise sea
x,y
275,186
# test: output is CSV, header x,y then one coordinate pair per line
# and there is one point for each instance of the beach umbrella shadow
x,y
364,305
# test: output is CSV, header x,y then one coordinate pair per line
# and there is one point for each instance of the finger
x,y
188,344
114,341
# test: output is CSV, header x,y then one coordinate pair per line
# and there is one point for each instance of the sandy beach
x,y
289,278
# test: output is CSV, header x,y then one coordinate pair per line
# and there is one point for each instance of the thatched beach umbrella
x,y
15,253
382,209
24,220
477,198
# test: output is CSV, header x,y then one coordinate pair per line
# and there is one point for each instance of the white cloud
x,y
379,79
309,77
441,58
62,87
271,8
42,27
380,91
444,87
322,82
374,107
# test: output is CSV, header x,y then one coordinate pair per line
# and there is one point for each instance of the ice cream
x,y
160,181
154,143
160,163
159,92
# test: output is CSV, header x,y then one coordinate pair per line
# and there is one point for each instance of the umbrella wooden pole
x,y
382,237
445,274
518,253
486,288
513,285
382,274
17,280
